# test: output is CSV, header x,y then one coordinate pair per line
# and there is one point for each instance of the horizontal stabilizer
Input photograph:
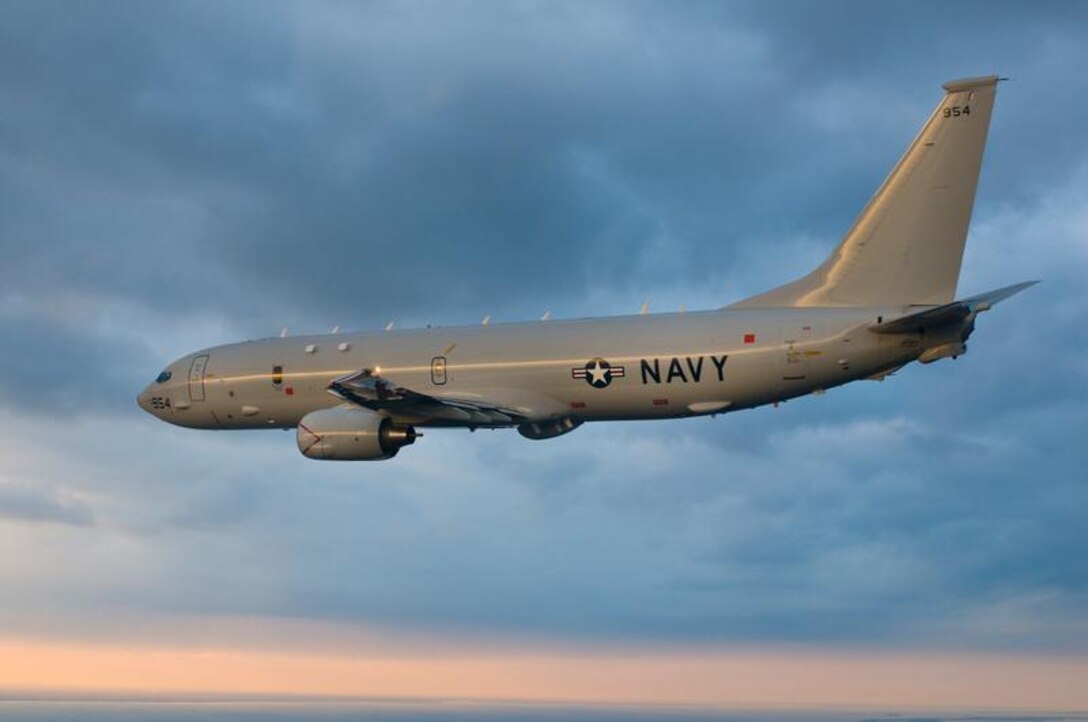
x,y
950,313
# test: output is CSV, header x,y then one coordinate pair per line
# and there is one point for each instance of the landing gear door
x,y
196,378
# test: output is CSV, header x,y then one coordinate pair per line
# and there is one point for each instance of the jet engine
x,y
347,433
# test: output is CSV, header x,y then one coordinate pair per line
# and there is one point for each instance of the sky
x,y
179,175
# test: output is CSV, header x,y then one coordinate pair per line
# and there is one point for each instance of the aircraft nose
x,y
144,400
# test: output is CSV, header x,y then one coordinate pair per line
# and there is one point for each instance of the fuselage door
x,y
196,378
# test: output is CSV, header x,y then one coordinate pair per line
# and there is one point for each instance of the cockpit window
x,y
163,377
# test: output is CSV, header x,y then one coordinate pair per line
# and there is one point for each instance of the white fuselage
x,y
651,366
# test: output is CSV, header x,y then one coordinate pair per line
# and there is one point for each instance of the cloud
x,y
878,530
186,178
32,503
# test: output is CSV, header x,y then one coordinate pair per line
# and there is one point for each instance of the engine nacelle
x,y
348,433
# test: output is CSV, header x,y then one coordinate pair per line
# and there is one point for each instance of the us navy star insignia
x,y
598,373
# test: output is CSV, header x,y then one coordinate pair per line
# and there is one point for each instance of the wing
x,y
949,313
369,390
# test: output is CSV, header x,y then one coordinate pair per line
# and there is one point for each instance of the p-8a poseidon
x,y
882,299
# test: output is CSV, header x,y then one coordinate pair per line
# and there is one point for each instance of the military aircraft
x,y
882,299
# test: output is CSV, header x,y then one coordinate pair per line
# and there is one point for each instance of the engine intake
x,y
348,433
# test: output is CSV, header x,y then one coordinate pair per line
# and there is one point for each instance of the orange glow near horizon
x,y
727,678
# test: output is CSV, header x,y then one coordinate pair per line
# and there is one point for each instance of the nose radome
x,y
144,400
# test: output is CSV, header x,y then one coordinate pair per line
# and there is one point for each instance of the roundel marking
x,y
598,373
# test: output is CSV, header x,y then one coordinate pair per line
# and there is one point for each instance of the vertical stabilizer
x,y
907,245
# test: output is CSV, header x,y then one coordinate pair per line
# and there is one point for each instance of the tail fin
x,y
906,247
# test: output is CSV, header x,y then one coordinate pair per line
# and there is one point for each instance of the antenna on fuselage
x,y
389,326
283,332
546,316
335,330
487,320
645,308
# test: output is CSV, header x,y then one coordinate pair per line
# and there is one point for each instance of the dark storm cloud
x,y
186,175
337,160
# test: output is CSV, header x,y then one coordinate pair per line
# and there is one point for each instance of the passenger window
x,y
277,375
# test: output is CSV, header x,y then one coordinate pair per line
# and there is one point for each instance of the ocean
x,y
157,710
